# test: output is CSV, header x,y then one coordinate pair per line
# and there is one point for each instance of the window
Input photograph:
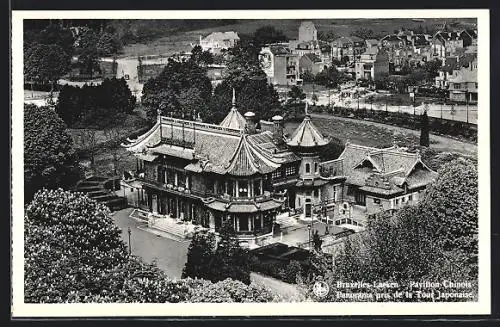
x,y
308,168
277,173
315,167
290,170
360,198
376,200
410,197
243,188
316,193
256,188
397,201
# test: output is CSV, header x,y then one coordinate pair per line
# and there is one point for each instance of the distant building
x,y
375,180
469,37
280,64
445,44
307,32
310,63
348,48
463,84
217,41
372,65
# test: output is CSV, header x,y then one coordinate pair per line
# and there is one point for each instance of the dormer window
x,y
308,168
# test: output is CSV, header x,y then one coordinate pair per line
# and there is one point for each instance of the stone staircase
x,y
98,188
171,227
287,222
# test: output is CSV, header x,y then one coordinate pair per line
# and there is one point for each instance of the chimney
x,y
278,129
250,127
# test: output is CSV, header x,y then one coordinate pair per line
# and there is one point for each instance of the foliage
x,y
181,90
55,34
331,77
200,57
364,33
108,44
296,95
95,106
268,35
329,36
317,241
229,259
45,63
73,253
49,158
424,129
282,270
332,150
200,253
217,262
452,202
88,52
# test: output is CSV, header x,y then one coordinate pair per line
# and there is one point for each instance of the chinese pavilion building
x,y
234,173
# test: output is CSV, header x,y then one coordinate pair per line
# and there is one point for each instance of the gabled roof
x,y
279,49
221,36
307,135
313,57
383,171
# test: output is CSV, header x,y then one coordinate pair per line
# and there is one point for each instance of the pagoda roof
x,y
234,119
211,148
307,135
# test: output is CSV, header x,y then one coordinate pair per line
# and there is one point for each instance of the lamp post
x,y
309,227
129,245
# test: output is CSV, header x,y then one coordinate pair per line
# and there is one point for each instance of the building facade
x,y
217,41
280,64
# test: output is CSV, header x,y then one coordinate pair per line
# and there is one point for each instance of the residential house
x,y
463,83
215,42
469,37
373,65
280,64
310,63
348,49
375,180
445,44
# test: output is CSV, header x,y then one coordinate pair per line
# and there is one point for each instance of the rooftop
x,y
307,135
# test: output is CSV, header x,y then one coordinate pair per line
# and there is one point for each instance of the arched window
x,y
308,168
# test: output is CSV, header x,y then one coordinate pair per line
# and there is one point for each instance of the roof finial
x,y
234,98
307,104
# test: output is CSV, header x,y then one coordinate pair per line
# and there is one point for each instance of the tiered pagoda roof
x,y
234,118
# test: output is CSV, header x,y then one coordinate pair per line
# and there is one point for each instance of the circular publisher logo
x,y
320,288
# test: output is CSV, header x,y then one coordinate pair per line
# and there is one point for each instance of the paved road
x,y
170,254
442,143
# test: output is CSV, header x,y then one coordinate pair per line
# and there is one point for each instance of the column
x,y
237,223
166,179
237,189
187,181
250,223
261,187
211,220
250,188
154,205
225,187
261,221
176,180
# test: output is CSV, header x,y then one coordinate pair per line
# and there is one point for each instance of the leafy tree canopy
x,y
49,157
45,63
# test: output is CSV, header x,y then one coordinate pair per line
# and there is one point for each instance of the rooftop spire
x,y
307,104
234,98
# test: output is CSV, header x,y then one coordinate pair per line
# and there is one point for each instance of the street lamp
x,y
129,245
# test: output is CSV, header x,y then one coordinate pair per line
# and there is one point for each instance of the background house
x,y
280,64
217,41
310,63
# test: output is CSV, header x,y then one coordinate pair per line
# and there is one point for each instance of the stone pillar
x,y
154,204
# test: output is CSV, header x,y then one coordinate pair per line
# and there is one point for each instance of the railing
x,y
202,126
176,142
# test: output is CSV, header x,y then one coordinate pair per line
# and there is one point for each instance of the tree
x,y
200,253
268,35
73,253
230,260
46,64
329,36
295,95
88,53
452,203
317,241
182,89
331,77
424,129
364,33
55,34
200,57
107,44
49,157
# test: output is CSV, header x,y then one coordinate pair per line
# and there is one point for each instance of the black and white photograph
x,y
256,163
